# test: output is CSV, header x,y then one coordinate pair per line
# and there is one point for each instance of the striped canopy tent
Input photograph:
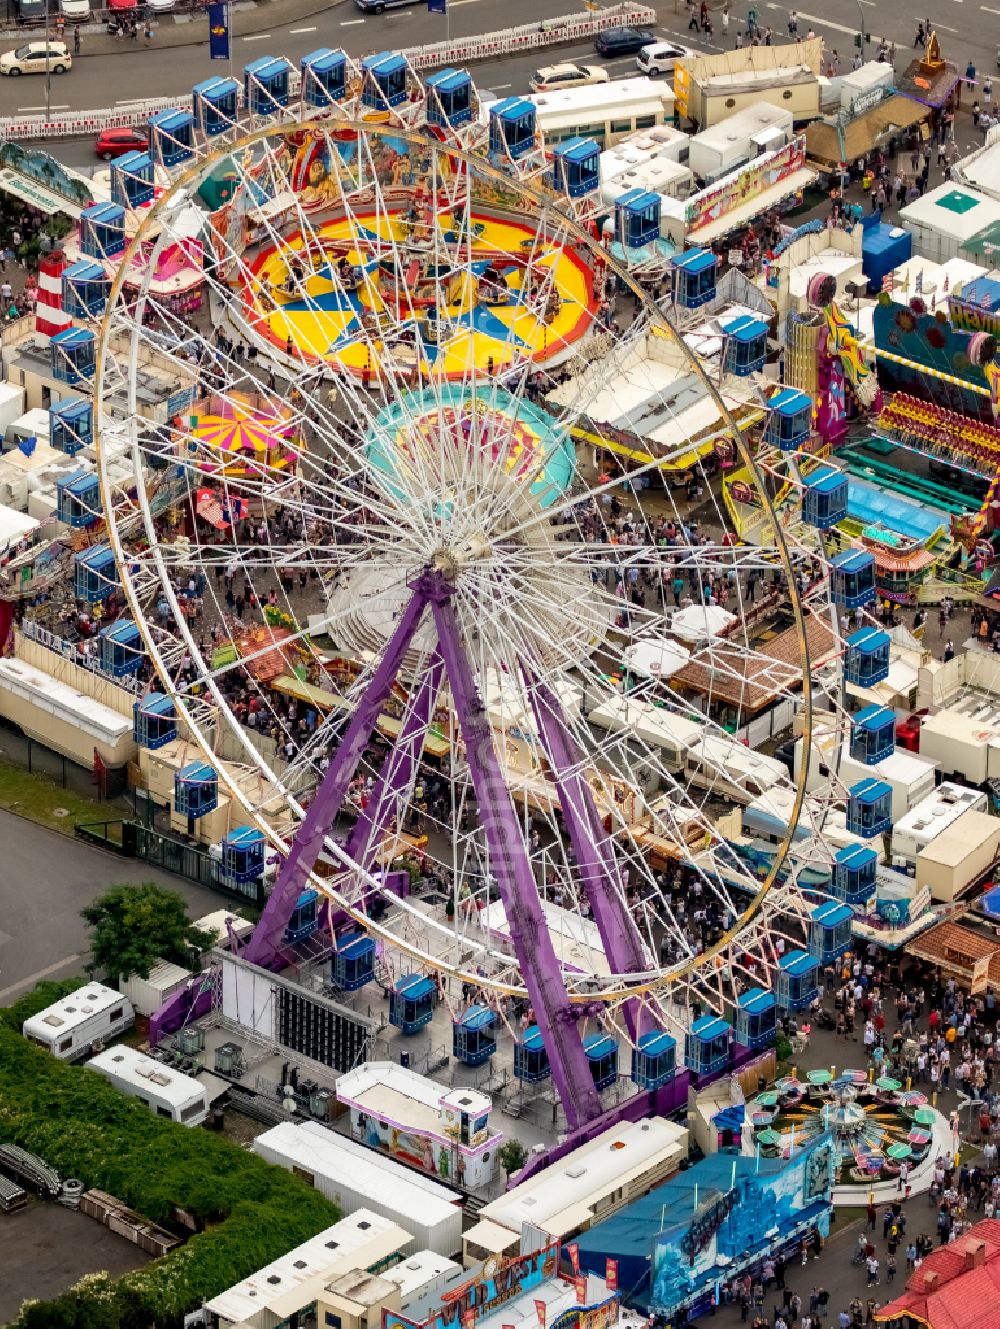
x,y
241,431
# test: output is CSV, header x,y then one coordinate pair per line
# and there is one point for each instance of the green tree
x,y
134,927
513,1156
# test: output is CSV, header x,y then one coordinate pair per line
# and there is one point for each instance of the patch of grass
x,y
45,801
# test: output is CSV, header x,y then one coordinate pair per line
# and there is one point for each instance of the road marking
x,y
818,22
463,2
43,108
38,976
292,31
351,22
256,37
987,9
499,87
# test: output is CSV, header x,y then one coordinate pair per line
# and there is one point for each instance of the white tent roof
x,y
658,658
698,622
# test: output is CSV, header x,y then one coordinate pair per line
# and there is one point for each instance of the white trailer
x,y
960,856
166,1093
931,816
671,735
71,1026
961,744
729,769
910,777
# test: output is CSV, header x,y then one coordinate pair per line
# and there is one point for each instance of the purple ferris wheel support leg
x,y
397,775
265,944
509,862
595,852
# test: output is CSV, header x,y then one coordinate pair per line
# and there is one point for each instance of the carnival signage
x,y
499,1282
866,100
744,185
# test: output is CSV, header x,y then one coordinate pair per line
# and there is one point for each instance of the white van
x,y
166,1093
71,1026
661,57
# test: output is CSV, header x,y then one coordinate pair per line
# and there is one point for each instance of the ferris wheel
x,y
435,592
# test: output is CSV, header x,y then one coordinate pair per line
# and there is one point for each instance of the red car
x,y
113,143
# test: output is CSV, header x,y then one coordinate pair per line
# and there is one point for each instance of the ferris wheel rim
x,y
665,978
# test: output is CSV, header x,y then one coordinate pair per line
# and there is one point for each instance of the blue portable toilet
x,y
132,179
95,574
71,424
513,124
531,1061
706,1046
866,661
637,218
449,98
383,80
654,1060
324,78
85,288
852,578
883,248
869,808
411,1002
304,918
854,870
353,964
102,231
746,344
602,1054
873,735
78,499
121,648
473,1040
73,355
196,790
154,721
694,276
171,137
789,419
576,167
265,84
795,983
754,1018
830,927
824,497
243,852
215,103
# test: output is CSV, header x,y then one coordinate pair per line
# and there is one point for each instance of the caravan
x,y
71,1027
165,1092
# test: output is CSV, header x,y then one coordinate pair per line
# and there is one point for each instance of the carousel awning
x,y
834,144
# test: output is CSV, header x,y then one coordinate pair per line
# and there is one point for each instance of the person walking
x,y
920,39
76,40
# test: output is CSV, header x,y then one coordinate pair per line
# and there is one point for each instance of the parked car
x,y
113,143
566,75
623,41
35,58
32,11
75,11
379,6
161,6
660,58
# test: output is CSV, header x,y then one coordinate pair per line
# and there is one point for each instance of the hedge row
x,y
83,1127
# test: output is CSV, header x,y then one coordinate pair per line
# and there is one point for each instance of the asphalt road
x,y
967,28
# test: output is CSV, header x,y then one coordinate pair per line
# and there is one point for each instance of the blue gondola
x,y
102,231
132,179
71,425
854,869
473,1040
852,578
869,808
637,218
449,98
789,419
78,499
531,1061
746,344
304,918
866,661
513,126
324,78
796,985
196,790
215,101
830,927
95,574
824,497
85,288
265,84
411,1003
873,735
121,648
73,355
171,137
654,1060
383,80
243,856
602,1054
706,1046
755,1018
154,721
353,965
694,277
576,167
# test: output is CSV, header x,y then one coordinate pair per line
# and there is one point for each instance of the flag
x,y
944,287
218,31
437,6
540,1312
573,1251
918,285
611,1275
581,1289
